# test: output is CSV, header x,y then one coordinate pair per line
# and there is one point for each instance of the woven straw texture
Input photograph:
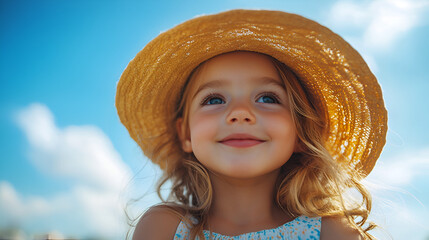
x,y
337,78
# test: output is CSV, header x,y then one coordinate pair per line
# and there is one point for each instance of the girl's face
x,y
240,123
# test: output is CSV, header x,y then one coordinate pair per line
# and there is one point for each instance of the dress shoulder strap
x,y
183,230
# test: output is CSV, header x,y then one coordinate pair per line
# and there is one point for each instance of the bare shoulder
x,y
338,228
158,223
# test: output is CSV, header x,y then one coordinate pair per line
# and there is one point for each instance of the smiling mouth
x,y
241,143
241,140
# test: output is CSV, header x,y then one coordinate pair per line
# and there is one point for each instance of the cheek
x,y
281,126
202,127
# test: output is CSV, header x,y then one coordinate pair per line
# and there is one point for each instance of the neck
x,y
246,202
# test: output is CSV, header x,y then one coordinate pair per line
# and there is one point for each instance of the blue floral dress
x,y
300,228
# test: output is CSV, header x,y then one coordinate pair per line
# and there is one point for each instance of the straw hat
x,y
337,78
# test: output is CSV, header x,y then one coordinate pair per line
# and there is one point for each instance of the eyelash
x,y
265,94
272,95
210,96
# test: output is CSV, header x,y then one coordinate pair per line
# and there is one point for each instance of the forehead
x,y
235,66
244,63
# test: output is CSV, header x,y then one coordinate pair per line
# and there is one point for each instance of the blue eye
x,y
215,101
268,98
212,100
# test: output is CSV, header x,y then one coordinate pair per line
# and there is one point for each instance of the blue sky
x,y
67,161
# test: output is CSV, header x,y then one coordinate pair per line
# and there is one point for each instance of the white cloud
x,y
83,155
382,22
402,168
395,211
397,205
80,212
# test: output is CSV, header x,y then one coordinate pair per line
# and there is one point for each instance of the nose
x,y
241,113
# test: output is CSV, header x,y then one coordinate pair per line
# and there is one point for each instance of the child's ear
x,y
184,139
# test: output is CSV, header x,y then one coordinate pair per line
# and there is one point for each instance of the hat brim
x,y
337,78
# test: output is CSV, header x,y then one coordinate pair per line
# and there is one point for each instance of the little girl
x,y
264,123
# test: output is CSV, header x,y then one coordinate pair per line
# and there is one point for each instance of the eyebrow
x,y
220,82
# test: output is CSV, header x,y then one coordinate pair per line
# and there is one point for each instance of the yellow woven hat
x,y
335,75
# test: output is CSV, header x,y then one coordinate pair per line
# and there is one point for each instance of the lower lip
x,y
241,143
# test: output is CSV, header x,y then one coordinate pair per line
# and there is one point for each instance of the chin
x,y
246,172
